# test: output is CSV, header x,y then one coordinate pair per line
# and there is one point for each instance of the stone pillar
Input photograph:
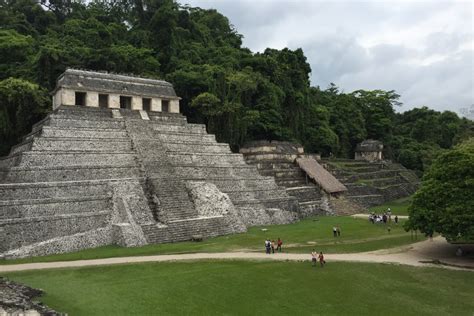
x,y
114,101
57,99
92,99
137,103
174,106
68,97
156,105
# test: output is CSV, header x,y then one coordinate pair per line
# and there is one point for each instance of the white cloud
x,y
422,49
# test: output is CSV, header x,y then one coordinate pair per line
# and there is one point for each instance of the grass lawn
x,y
398,207
356,235
254,288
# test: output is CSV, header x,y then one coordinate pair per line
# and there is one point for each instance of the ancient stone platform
x,y
373,183
86,177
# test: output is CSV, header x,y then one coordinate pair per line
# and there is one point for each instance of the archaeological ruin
x,y
116,163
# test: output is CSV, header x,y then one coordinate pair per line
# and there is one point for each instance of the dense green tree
x,y
240,95
22,103
445,202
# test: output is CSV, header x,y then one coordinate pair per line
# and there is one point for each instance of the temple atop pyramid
x,y
113,91
116,163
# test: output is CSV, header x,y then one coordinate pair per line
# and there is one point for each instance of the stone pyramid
x,y
97,174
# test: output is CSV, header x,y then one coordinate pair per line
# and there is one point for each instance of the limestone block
x,y
68,97
89,239
114,101
92,99
156,105
137,103
210,201
57,99
174,106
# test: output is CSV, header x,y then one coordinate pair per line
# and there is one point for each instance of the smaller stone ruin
x,y
18,299
369,150
317,191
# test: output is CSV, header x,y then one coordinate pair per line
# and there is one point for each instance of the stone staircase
x,y
290,177
373,183
86,177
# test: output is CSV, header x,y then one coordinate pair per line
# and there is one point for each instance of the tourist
x,y
396,219
338,229
322,262
279,243
384,218
267,246
314,257
334,231
273,246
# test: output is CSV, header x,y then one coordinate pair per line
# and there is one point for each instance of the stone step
x,y
198,147
356,170
286,203
63,122
284,173
179,158
83,111
175,137
42,190
172,118
83,132
290,182
311,208
236,184
204,171
305,193
385,182
360,189
255,194
53,206
82,144
396,191
178,128
69,173
368,200
266,165
26,231
70,158
185,230
369,175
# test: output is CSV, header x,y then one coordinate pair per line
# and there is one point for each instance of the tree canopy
x,y
238,94
445,202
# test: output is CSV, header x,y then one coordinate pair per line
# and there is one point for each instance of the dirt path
x,y
418,254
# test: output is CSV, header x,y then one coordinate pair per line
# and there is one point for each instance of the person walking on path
x,y
273,246
314,257
334,231
279,243
396,219
321,259
267,246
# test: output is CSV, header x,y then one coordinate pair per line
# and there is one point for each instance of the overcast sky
x,y
422,49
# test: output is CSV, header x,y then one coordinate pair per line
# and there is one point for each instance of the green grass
x,y
254,288
398,207
357,235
